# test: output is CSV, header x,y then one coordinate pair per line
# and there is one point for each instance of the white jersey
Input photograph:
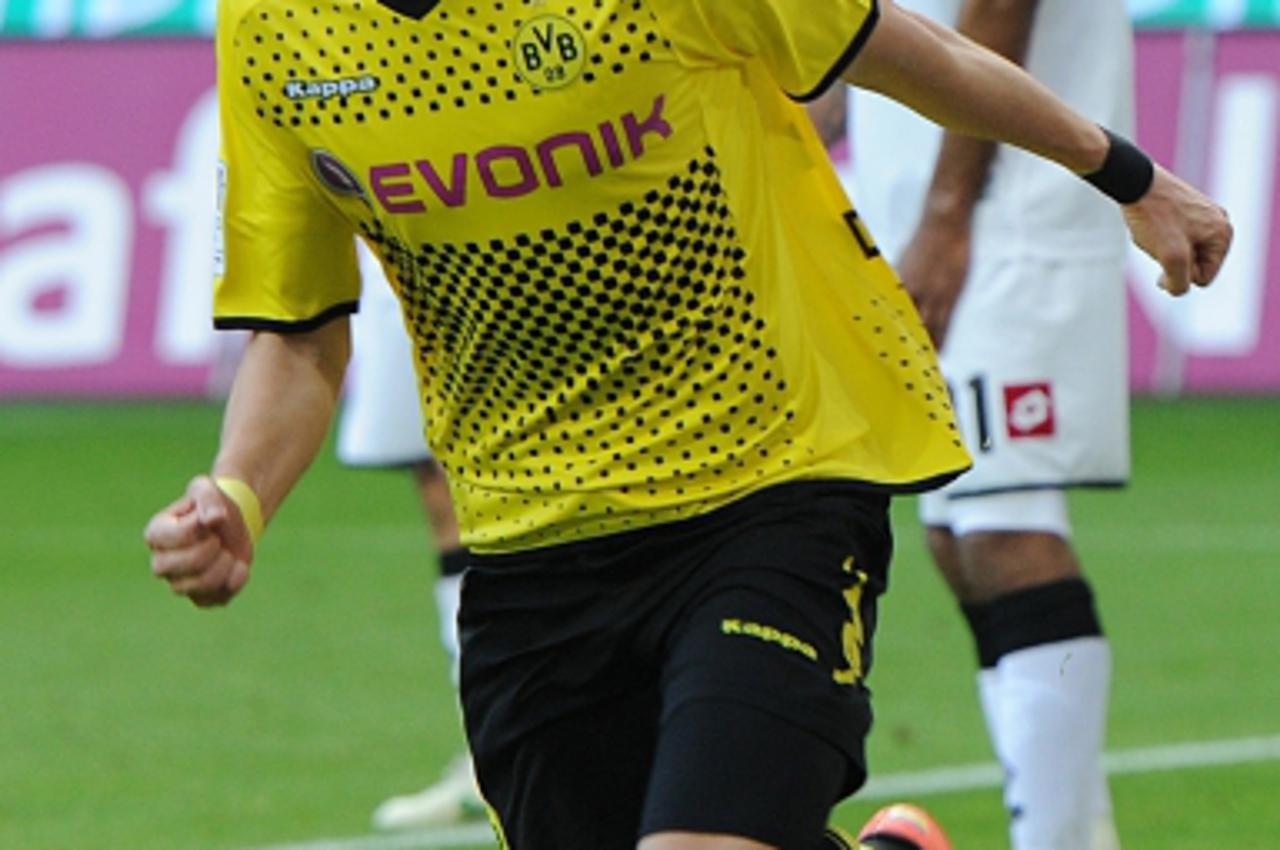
x,y
1083,51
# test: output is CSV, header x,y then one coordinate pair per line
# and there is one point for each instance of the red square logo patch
x,y
1028,410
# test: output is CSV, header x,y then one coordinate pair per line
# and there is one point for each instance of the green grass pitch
x,y
131,721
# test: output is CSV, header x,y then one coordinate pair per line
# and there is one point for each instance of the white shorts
x,y
1018,510
1036,358
381,421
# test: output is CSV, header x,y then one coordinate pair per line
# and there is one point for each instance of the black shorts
x,y
700,676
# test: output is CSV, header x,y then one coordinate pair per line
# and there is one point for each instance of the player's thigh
x,y
561,717
730,771
934,512
1012,541
576,783
765,714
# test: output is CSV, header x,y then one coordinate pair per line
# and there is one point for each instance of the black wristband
x,y
1126,174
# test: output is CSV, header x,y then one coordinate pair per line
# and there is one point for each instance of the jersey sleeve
x,y
285,258
805,44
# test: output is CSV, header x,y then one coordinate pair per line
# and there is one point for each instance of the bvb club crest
x,y
550,52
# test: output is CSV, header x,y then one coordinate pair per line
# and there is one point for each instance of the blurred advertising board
x,y
1213,14
107,212
1208,106
107,164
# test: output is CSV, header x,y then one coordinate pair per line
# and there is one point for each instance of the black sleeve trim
x,y
281,326
924,485
846,58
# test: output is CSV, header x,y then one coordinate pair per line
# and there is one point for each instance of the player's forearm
x,y
281,404
972,90
1004,27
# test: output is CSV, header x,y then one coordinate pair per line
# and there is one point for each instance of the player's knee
x,y
942,545
945,551
998,563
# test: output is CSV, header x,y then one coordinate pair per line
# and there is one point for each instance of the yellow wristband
x,y
247,501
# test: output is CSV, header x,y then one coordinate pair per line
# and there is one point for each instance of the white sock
x,y
448,592
1104,835
1049,729
989,700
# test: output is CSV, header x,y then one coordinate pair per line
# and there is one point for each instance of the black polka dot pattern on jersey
x,y
421,66
621,351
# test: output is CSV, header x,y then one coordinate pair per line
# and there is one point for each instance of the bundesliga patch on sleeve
x,y
1028,410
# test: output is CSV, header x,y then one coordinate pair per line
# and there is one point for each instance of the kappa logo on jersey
x,y
550,52
1029,410
297,90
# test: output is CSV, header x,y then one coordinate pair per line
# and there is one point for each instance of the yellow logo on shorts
x,y
550,52
854,634
769,634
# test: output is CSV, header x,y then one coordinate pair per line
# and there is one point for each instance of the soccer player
x,y
670,376
1018,272
381,426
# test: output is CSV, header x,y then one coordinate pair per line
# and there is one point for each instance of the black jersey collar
x,y
416,9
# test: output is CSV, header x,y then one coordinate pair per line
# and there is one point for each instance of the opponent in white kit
x,y
382,426
1017,268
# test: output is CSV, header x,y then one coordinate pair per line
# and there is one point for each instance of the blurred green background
x,y
131,721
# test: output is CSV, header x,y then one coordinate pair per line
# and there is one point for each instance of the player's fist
x,y
1185,232
200,545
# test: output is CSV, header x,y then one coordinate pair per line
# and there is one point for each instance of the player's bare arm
x,y
281,403
935,263
828,113
971,90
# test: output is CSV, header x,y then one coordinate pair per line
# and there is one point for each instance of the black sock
x,y
1049,613
978,616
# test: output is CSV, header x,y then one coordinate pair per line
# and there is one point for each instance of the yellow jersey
x,y
635,288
